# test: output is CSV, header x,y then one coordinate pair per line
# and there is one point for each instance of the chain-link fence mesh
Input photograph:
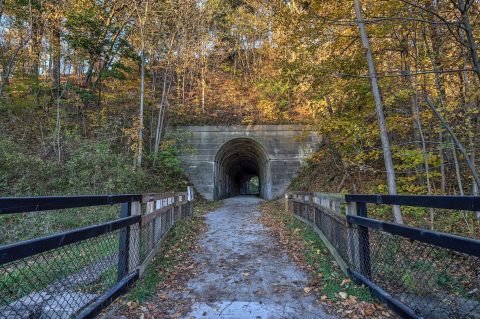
x,y
24,226
60,282
333,226
434,282
154,229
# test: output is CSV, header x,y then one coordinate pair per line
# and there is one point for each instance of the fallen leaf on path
x,y
344,282
369,310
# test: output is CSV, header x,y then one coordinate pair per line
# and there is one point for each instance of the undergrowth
x,y
317,257
177,247
327,281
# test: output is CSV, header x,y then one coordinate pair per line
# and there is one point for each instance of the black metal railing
x,y
77,273
418,273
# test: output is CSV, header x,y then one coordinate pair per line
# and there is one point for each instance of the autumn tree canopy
x,y
119,72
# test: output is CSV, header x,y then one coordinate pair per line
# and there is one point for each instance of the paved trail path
x,y
245,273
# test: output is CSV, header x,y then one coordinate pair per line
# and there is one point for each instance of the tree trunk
x,y
441,157
454,137
472,45
142,97
6,74
56,60
387,154
36,58
416,136
204,85
425,160
419,131
457,169
161,111
471,125
437,66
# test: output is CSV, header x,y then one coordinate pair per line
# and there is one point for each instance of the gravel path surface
x,y
244,272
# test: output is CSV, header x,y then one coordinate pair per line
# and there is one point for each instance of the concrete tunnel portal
x,y
242,168
219,159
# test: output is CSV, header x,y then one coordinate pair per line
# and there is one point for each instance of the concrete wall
x,y
286,146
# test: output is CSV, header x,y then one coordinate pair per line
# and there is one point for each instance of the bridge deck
x,y
243,271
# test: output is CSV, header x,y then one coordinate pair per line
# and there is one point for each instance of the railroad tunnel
x,y
241,168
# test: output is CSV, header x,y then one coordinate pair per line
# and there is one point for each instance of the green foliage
x,y
318,257
53,266
117,71
87,168
176,244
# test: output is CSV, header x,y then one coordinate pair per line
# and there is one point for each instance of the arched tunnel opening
x,y
241,168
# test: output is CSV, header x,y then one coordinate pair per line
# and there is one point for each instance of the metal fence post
x,y
353,239
125,211
176,210
358,241
364,248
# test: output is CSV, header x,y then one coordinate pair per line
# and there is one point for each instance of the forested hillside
x,y
88,87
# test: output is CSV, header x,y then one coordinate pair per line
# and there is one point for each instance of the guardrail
x,y
418,273
77,273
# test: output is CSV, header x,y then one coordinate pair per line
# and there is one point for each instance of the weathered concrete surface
x,y
284,147
245,273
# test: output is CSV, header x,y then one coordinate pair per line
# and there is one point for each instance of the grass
x,y
21,278
418,269
17,227
462,223
400,266
317,257
177,245
35,273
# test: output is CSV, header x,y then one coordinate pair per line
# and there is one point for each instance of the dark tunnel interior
x,y
240,169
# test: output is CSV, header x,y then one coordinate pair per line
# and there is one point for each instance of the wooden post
x,y
190,198
286,203
175,213
158,222
306,208
170,212
150,227
134,241
178,208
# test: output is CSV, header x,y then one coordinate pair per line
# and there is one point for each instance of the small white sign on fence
x,y
190,193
